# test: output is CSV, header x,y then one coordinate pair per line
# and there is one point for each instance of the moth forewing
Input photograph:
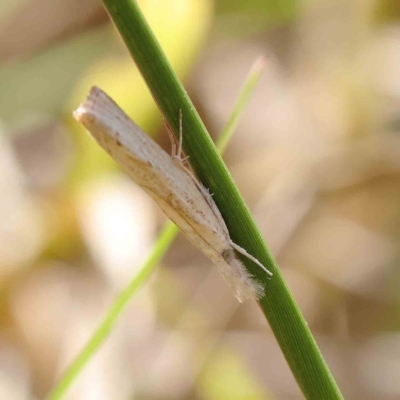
x,y
174,189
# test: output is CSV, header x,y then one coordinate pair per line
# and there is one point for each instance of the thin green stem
x,y
165,239
244,97
278,305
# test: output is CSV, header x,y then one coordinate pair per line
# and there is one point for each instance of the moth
x,y
172,185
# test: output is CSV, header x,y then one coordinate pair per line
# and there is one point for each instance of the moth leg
x,y
203,190
172,138
241,250
177,157
177,152
176,144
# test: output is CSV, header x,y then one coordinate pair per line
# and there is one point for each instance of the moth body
x,y
172,187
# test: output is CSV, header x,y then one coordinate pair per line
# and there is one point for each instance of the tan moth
x,y
175,189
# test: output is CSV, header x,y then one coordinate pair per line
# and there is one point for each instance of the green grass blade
x,y
244,97
164,240
278,305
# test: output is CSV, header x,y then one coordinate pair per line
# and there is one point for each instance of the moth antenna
x,y
241,250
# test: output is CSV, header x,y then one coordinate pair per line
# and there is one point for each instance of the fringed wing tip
x,y
243,285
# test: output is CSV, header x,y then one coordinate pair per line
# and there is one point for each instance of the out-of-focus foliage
x,y
243,18
317,156
387,10
233,380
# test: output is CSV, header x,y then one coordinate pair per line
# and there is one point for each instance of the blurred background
x,y
316,156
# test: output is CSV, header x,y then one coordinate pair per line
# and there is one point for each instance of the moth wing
x,y
186,227
242,284
177,195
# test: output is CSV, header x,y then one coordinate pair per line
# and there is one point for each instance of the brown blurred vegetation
x,y
316,156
